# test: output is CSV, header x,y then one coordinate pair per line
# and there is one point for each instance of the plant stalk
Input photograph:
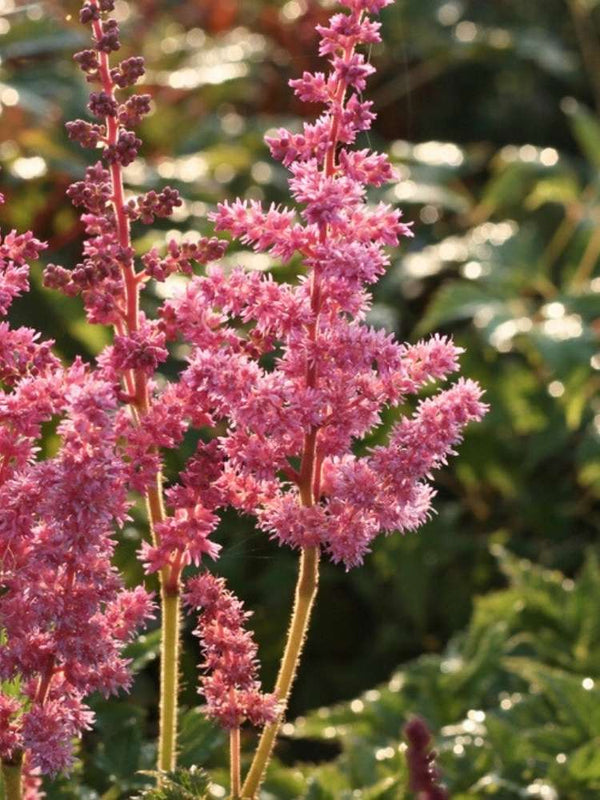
x,y
234,762
12,778
588,43
588,262
306,590
169,680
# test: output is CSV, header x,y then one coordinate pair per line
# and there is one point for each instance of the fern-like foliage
x,y
182,784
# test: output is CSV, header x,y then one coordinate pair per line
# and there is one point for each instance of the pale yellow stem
x,y
306,590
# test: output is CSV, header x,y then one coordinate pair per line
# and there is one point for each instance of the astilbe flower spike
x,y
424,776
64,614
335,374
290,450
110,282
230,686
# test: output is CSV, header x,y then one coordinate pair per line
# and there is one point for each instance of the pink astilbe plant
x,y
230,687
290,450
232,692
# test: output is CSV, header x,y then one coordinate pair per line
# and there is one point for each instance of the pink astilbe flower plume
x,y
230,687
289,452
64,614
109,280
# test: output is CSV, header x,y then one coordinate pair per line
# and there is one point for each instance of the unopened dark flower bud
x,y
102,105
87,60
136,107
85,133
424,775
168,199
125,150
89,13
109,41
56,277
128,71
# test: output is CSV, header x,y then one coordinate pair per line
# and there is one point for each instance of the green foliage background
x,y
490,113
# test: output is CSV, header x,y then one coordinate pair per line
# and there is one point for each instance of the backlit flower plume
x,y
291,449
229,686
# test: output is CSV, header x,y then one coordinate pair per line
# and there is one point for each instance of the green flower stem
x,y
306,590
169,679
11,779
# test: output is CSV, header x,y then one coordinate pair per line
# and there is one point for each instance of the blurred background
x,y
489,111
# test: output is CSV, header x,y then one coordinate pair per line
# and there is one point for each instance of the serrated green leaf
x,y
198,737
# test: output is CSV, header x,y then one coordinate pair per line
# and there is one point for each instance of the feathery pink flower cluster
x,y
110,284
64,614
289,451
231,690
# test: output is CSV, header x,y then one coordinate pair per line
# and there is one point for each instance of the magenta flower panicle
x,y
109,281
106,278
64,614
230,687
289,452
150,416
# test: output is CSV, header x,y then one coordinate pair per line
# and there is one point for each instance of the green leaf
x,y
119,752
586,130
576,701
198,737
182,784
584,763
458,301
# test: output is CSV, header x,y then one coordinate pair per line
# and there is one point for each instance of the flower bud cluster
x,y
424,776
181,255
102,276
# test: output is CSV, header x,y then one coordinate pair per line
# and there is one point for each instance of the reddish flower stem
x,y
45,681
136,384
